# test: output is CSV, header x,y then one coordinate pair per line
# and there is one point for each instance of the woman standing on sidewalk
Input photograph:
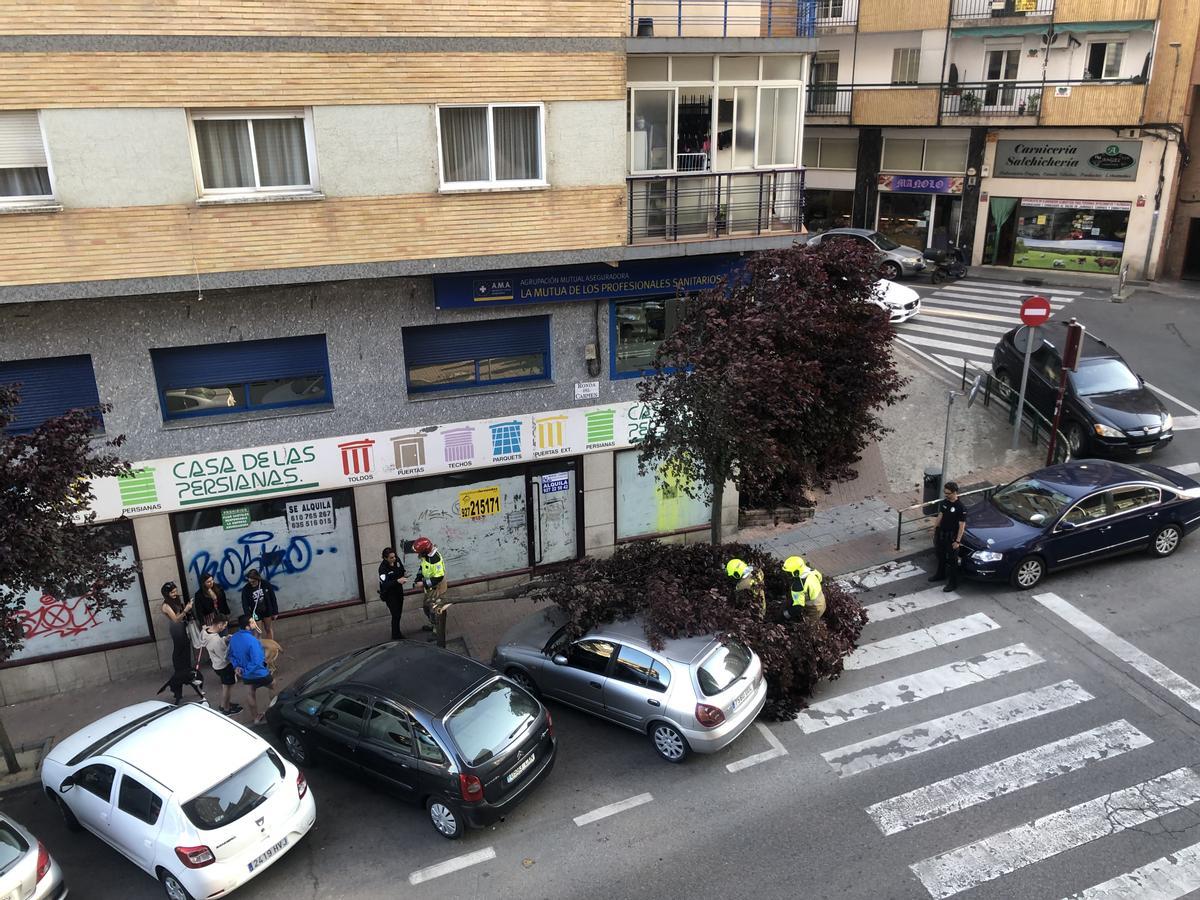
x,y
210,599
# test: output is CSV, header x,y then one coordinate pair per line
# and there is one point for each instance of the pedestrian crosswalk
x,y
963,320
1078,757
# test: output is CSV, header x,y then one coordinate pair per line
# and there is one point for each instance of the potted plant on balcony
x,y
1033,104
970,104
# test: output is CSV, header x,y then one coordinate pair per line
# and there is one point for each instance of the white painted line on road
x,y
991,304
1187,468
1167,878
1005,776
982,861
963,314
1019,292
944,731
1187,406
777,750
944,345
978,331
899,606
884,574
612,809
911,688
987,339
451,865
1187,423
1123,650
921,639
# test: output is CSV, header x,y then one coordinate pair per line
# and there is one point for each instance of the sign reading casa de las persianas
x,y
1106,160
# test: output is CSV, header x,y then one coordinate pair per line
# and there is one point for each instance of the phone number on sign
x,y
479,503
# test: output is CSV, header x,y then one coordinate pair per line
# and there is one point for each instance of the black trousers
x,y
947,557
395,605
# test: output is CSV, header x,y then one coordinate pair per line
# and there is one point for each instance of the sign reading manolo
x,y
1106,160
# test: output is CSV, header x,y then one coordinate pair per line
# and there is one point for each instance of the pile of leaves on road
x,y
683,591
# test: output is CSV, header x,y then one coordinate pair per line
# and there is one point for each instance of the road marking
x,y
1187,468
944,345
990,304
451,865
899,606
1005,776
1187,423
911,688
1018,292
905,743
981,861
989,340
921,639
972,316
1123,650
885,573
777,750
1187,406
612,809
1167,878
976,331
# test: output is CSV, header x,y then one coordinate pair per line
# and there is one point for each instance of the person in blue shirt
x,y
250,664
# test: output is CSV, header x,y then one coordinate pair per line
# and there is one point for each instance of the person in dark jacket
x,y
259,602
210,599
391,588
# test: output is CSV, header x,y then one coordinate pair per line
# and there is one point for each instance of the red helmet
x,y
423,546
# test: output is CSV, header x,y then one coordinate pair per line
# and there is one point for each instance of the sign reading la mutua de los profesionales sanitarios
x,y
1106,160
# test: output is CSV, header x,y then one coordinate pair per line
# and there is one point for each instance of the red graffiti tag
x,y
58,617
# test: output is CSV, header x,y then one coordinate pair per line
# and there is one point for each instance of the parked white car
x,y
196,800
902,303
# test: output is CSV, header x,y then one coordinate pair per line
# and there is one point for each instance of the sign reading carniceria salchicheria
x,y
1105,160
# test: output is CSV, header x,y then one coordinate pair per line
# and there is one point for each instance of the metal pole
x,y
1016,438
1062,389
946,441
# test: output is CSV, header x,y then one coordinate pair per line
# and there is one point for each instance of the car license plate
x,y
521,768
1142,450
271,852
742,697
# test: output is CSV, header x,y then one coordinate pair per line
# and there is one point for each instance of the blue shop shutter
x,y
432,344
49,388
210,365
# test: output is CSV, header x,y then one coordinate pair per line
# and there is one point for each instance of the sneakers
x,y
234,709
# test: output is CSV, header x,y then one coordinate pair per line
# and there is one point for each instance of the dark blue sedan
x,y
1075,513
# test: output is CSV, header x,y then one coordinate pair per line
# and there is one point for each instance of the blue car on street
x,y
1075,513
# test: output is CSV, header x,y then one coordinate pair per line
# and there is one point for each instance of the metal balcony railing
x,y
739,18
974,10
674,207
828,100
992,98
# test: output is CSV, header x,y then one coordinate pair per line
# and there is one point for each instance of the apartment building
x,y
1037,134
353,273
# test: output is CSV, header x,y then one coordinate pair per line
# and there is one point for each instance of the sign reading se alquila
x,y
1108,160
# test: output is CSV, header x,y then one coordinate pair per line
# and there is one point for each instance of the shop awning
x,y
1098,27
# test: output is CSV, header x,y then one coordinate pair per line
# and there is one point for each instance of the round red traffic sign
x,y
1035,310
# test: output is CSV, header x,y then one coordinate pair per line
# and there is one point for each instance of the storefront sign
x,y
479,503
921,184
559,481
313,516
235,517
1107,160
594,281
587,390
1077,204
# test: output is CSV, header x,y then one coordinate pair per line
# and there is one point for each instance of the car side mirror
x,y
1067,526
559,659
67,784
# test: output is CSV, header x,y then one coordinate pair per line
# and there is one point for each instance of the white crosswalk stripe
x,y
1167,878
922,639
1014,773
899,606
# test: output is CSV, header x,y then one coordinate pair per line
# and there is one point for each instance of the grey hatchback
x,y
695,695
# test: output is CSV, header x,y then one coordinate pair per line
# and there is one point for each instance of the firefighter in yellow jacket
x,y
807,594
750,582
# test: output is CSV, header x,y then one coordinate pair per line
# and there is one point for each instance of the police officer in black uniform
x,y
947,536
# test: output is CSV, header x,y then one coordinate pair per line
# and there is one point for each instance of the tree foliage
x,y
774,381
47,539
683,591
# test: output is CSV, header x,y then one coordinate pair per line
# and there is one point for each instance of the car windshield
x,y
491,719
225,803
722,667
1030,501
883,242
12,847
1104,376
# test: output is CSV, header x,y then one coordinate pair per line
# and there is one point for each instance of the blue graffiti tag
x,y
253,550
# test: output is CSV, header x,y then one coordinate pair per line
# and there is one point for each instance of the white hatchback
x,y
196,800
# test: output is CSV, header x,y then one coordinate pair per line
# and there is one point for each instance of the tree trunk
x,y
10,755
718,492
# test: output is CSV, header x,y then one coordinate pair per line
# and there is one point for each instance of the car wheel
x,y
298,750
936,277
445,818
1028,573
523,679
669,742
68,817
172,886
891,270
1076,438
1165,540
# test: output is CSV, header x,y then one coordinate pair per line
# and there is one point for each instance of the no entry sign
x,y
1035,310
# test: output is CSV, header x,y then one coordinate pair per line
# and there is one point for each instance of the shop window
x,y
1104,59
915,155
640,326
906,65
828,209
646,506
476,354
24,169
831,153
903,155
945,156
304,546
50,387
1060,234
247,375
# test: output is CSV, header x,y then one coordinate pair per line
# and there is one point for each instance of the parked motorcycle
x,y
945,265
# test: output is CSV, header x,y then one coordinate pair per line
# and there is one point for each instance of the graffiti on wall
x,y
51,616
254,550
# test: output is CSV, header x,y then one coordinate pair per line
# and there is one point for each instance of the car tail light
x,y
195,857
301,785
709,716
43,861
470,787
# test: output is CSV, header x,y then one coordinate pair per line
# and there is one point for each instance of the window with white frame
x,y
24,169
254,152
1104,59
906,65
497,144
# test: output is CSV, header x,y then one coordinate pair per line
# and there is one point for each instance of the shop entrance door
x,y
945,222
1191,259
552,508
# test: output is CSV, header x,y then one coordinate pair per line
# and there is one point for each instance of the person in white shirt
x,y
217,646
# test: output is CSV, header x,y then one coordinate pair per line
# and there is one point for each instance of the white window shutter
x,y
20,140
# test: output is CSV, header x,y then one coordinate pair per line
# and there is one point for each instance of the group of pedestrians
x,y
431,576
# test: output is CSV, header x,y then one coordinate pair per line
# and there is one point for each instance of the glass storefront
x,y
646,506
828,209
920,220
1068,235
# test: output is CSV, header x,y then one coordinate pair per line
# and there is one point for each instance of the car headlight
x,y
1109,431
1168,422
986,556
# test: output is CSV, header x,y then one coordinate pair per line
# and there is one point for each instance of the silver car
x,y
695,695
896,260
27,870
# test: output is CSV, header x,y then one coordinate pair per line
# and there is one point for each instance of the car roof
x,y
418,674
1078,478
1054,333
862,232
632,631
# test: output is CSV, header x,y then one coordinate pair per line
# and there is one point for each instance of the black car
x,y
1107,408
1074,513
431,726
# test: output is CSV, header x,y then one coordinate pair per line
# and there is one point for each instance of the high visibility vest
x,y
431,569
809,587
